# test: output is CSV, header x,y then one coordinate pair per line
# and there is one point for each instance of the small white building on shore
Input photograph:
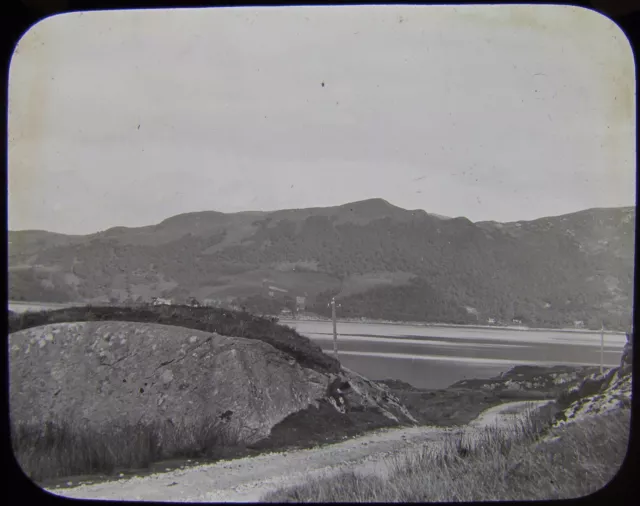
x,y
157,301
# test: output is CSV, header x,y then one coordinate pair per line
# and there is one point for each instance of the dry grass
x,y
63,448
516,463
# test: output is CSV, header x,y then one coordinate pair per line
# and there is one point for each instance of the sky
x,y
125,118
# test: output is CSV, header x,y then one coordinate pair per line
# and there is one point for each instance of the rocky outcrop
x,y
370,394
595,394
530,378
105,374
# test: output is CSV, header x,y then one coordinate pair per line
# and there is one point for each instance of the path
x,y
248,479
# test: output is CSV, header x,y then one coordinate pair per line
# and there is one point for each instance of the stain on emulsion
x,y
35,57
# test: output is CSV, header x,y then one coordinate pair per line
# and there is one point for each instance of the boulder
x,y
109,374
106,373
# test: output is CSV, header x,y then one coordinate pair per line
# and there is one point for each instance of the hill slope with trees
x,y
381,261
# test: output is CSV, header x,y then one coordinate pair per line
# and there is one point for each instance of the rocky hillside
x,y
381,260
101,375
596,394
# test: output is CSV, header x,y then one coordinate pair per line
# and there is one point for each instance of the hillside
x,y
381,261
520,455
116,388
478,444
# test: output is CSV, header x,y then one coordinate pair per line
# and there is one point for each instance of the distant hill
x,y
380,261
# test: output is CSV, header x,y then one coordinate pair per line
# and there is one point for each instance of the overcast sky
x,y
493,113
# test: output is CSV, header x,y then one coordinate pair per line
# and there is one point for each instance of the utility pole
x,y
335,332
601,348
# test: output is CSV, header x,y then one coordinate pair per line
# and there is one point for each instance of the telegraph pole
x,y
335,331
601,348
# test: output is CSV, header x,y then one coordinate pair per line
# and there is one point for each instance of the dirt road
x,y
248,479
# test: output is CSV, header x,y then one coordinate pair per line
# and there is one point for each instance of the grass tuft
x,y
62,448
495,464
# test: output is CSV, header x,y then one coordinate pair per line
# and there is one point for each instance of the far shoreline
x,y
287,320
451,325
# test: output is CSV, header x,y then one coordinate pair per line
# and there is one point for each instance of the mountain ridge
x,y
383,261
259,213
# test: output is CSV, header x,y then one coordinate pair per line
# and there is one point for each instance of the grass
x,y
498,464
59,451
62,448
224,322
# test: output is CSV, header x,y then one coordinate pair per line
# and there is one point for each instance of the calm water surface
x,y
435,357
